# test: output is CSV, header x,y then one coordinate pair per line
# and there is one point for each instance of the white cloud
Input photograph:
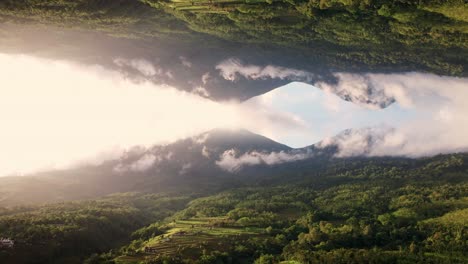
x,y
143,66
231,161
169,75
357,142
185,168
143,164
206,152
438,103
231,69
201,91
429,116
359,89
206,77
363,90
201,139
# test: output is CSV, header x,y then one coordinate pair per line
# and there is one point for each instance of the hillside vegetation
x,y
426,35
372,210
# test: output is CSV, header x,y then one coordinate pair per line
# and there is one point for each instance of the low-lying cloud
x,y
231,69
440,124
429,117
143,164
232,161
362,90
143,66
357,142
201,91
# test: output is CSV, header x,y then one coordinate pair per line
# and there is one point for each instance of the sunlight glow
x,y
54,113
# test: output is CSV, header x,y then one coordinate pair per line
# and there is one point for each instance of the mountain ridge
x,y
209,161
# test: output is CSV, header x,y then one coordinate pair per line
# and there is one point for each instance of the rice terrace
x,y
192,237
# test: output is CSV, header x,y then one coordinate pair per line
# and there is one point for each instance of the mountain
x,y
191,162
236,192
315,210
183,165
211,161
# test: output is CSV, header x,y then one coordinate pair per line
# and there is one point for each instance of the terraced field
x,y
192,237
217,6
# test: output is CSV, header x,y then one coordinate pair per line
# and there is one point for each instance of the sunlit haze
x,y
55,114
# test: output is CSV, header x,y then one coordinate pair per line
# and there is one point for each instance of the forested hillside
x,y
355,34
372,210
348,28
185,165
68,232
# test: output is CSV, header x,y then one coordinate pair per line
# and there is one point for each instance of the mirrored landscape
x,y
233,131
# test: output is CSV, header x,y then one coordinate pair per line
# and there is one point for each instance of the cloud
x,y
429,114
185,168
201,139
141,65
169,75
364,90
232,161
185,62
199,90
357,142
56,114
438,103
206,152
205,77
231,69
143,164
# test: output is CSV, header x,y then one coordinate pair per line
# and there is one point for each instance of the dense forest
x,y
360,210
369,32
67,232
353,34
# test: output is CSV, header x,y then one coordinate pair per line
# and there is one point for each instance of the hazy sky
x,y
324,114
57,113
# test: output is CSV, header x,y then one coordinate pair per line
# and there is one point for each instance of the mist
x,y
57,114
